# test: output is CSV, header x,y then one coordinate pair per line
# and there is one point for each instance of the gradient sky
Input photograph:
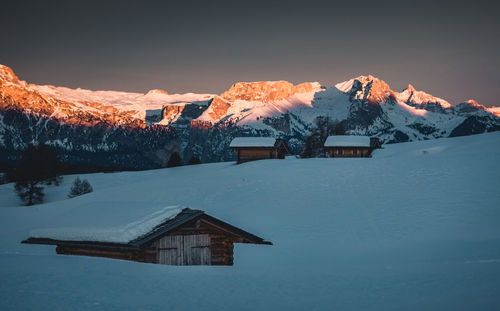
x,y
448,49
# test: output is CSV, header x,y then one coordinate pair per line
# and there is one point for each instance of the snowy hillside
x,y
415,227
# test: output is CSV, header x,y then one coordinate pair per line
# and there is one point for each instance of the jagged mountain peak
x,y
203,124
470,106
367,89
422,99
373,90
410,88
7,74
473,102
347,86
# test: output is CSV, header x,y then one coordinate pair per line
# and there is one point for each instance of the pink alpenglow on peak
x,y
157,92
7,74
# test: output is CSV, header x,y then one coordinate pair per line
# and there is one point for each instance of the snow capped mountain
x,y
150,126
246,103
422,100
136,104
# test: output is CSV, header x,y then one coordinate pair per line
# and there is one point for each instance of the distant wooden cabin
x,y
350,146
191,238
258,148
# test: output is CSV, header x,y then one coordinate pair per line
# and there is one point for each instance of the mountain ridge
x,y
152,125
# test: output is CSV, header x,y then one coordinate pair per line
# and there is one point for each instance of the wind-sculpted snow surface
x,y
415,227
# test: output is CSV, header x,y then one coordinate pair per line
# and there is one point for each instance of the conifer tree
x,y
40,165
80,187
175,160
194,160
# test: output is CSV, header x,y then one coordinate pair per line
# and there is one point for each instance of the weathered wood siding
x,y
222,250
348,152
184,250
244,155
99,252
214,248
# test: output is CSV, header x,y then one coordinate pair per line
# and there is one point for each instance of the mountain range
x,y
139,131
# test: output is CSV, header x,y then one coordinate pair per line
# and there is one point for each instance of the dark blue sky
x,y
448,49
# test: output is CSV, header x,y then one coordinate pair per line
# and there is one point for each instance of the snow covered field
x,y
416,227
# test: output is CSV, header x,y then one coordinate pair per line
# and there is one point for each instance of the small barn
x,y
258,148
185,237
350,146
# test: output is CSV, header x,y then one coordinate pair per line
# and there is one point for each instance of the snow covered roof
x,y
114,233
347,141
253,142
137,233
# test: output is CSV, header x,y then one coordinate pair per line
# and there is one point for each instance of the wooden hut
x,y
349,146
190,238
258,148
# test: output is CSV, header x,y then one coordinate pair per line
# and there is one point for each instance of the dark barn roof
x,y
258,143
185,217
188,215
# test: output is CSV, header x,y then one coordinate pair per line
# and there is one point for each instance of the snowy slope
x,y
413,228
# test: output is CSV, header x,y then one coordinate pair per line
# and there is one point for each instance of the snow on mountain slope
x,y
414,227
495,111
329,102
377,110
413,97
253,104
202,125
419,123
124,101
245,103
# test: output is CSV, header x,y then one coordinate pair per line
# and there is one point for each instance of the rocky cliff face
x,y
18,96
7,75
265,91
134,130
89,134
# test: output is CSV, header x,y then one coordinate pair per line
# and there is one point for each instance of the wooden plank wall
x,y
97,252
244,155
222,250
184,250
342,152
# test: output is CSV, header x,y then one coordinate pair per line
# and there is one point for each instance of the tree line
x,y
323,127
41,166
